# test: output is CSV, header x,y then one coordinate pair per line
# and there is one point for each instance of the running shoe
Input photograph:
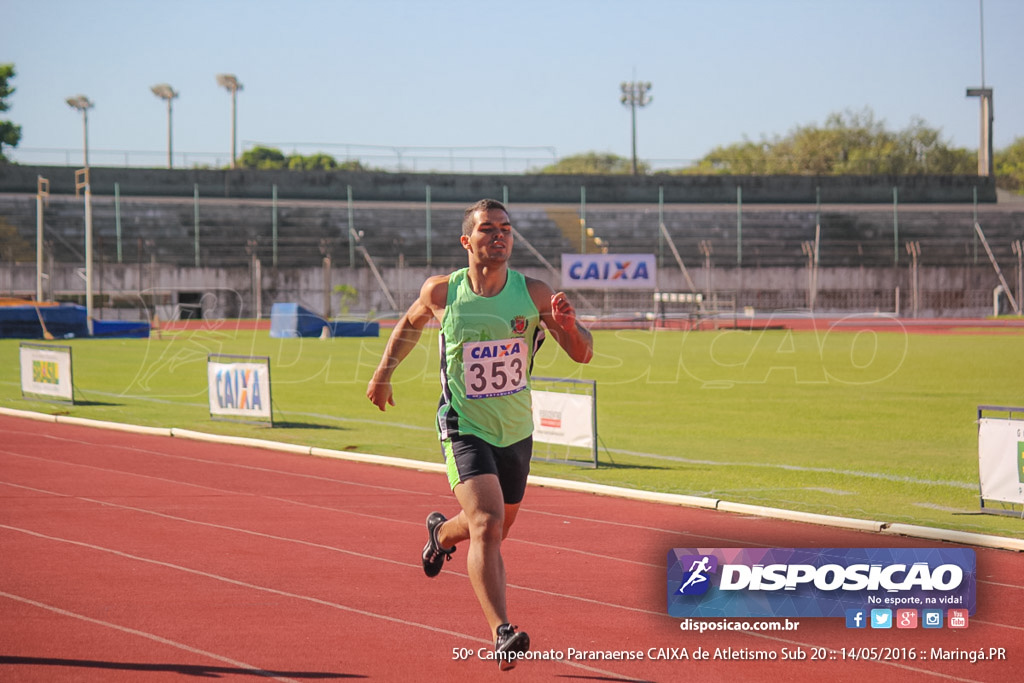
x,y
433,554
510,646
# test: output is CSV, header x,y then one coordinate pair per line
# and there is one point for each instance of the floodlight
x,y
166,92
231,84
82,104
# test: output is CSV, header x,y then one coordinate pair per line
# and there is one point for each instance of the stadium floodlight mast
x,y
166,92
984,94
634,94
82,104
231,84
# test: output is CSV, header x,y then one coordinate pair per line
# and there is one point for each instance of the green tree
x,y
263,158
10,134
1009,166
593,163
271,158
849,143
314,162
355,165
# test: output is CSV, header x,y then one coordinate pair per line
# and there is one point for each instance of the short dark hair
x,y
483,205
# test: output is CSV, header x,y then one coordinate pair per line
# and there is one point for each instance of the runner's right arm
x,y
429,304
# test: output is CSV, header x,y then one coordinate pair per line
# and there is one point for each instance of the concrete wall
x,y
465,188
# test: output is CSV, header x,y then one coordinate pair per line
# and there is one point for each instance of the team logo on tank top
x,y
518,325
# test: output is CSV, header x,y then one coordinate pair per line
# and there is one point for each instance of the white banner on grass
x,y
239,389
563,418
46,371
609,271
1001,459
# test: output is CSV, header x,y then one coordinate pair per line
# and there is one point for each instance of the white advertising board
x,y
609,271
1001,459
46,371
239,389
563,418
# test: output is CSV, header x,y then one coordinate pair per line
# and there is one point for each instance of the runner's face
x,y
491,238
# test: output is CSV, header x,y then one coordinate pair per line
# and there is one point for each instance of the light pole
x,y
166,92
230,83
82,104
985,161
634,94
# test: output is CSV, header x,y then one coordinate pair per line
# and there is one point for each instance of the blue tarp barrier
x,y
292,320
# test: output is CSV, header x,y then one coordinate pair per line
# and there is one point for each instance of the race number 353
x,y
494,368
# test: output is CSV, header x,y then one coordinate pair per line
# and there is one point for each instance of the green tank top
x,y
487,348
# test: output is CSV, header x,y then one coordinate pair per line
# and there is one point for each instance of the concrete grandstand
x,y
195,254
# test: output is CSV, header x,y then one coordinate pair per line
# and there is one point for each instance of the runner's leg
x,y
456,529
483,511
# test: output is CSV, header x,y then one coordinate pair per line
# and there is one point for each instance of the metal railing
x,y
393,158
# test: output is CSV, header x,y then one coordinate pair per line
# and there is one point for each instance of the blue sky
x,y
524,74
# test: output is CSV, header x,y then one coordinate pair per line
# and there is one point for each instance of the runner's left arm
x,y
559,316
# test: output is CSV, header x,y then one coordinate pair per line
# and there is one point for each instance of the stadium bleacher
x,y
862,261
163,230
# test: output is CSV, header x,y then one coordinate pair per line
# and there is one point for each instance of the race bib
x,y
494,368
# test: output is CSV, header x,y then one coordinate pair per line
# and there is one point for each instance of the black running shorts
x,y
467,456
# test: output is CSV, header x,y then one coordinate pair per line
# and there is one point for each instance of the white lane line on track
x,y
319,546
404,622
376,517
525,588
294,596
211,525
361,514
289,502
1000,584
513,539
992,623
188,458
293,502
149,636
352,553
641,527
122,472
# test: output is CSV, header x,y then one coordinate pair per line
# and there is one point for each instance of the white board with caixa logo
x,y
239,387
46,371
609,271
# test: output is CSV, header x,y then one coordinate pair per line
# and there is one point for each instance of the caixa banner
x,y
239,387
817,582
609,271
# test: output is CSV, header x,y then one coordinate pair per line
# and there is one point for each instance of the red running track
x,y
128,557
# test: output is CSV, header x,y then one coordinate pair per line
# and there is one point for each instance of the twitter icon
x,y
881,618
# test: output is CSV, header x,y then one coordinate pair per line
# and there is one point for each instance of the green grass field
x,y
857,424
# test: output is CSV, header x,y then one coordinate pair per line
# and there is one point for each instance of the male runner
x,y
490,318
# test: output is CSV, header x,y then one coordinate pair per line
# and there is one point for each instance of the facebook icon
x,y
856,618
